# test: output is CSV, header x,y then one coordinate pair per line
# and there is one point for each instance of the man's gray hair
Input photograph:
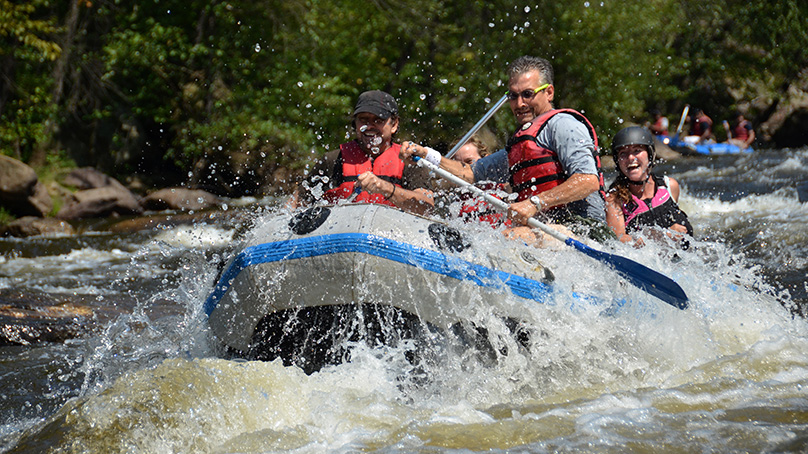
x,y
527,63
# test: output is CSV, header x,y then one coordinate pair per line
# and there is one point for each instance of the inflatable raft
x,y
686,148
302,286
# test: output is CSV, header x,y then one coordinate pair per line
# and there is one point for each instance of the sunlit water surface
x,y
726,375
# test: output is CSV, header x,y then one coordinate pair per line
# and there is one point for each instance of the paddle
x,y
677,142
682,120
477,126
639,275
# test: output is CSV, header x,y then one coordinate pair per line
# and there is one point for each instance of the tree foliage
x,y
229,94
26,49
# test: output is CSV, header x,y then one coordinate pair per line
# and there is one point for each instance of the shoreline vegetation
x,y
238,98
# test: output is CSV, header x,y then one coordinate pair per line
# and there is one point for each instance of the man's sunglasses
x,y
527,94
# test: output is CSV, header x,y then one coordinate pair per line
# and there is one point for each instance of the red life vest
x,y
535,169
474,209
386,166
661,127
741,132
701,125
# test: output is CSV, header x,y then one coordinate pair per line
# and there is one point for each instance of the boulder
x,y
41,200
33,226
802,192
113,200
233,218
30,317
785,114
180,199
21,193
99,196
17,179
88,178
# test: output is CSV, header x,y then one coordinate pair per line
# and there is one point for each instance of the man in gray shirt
x,y
551,161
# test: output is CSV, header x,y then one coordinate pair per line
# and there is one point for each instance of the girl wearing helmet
x,y
639,199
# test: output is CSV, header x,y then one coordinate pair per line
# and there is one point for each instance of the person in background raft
x,y
638,199
368,168
701,128
743,135
472,151
660,125
551,161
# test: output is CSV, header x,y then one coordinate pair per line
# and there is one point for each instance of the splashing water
x,y
727,375
642,375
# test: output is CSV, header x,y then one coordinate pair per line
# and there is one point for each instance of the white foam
x,y
195,236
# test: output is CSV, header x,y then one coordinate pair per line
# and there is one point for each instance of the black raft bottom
x,y
314,337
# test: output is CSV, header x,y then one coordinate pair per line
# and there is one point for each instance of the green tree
x,y
26,49
231,94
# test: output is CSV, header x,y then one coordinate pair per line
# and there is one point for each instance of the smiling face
x,y
633,161
375,134
467,154
526,110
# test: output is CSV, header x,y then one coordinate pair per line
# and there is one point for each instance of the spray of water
x,y
577,367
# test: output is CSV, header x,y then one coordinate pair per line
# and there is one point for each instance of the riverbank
x,y
70,200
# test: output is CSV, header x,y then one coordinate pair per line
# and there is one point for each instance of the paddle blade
x,y
641,276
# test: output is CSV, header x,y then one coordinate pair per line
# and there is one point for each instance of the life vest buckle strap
x,y
537,182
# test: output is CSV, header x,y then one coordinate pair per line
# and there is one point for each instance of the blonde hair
x,y
478,142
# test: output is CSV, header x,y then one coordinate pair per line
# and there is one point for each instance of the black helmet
x,y
634,135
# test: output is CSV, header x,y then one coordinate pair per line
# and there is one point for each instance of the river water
x,y
730,374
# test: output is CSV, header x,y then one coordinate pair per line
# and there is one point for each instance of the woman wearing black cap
x,y
638,199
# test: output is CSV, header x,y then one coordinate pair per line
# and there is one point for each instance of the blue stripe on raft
x,y
385,248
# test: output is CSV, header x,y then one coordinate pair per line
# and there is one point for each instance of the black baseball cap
x,y
377,102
